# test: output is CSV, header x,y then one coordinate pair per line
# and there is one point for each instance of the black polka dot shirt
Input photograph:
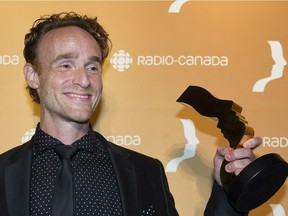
x,y
94,181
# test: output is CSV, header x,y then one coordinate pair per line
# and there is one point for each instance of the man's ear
x,y
31,76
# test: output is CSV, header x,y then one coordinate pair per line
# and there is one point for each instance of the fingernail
x,y
228,167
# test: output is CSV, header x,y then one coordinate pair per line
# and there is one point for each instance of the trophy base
x,y
258,182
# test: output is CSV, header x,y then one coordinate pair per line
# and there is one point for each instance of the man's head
x,y
65,54
47,23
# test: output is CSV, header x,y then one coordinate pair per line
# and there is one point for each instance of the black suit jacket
x,y
142,183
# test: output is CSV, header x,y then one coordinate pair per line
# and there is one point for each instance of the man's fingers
x,y
253,143
240,153
222,151
237,166
246,151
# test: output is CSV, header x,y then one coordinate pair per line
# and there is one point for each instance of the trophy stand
x,y
263,177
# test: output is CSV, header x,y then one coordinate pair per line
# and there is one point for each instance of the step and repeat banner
x,y
238,50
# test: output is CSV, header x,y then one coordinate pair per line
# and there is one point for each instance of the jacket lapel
x,y
17,182
18,172
126,177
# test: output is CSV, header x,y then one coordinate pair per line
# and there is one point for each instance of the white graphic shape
x,y
175,7
27,136
190,146
121,60
278,209
277,69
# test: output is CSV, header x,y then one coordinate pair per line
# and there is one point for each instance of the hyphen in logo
x,y
175,7
121,60
277,69
190,146
189,60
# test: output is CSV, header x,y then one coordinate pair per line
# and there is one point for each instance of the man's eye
x,y
95,68
64,66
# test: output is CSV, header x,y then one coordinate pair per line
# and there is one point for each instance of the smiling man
x,y
68,80
67,168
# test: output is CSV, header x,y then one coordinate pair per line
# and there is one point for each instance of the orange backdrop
x,y
236,49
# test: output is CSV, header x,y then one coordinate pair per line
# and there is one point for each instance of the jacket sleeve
x,y
169,200
218,204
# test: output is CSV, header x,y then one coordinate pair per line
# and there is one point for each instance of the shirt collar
x,y
43,141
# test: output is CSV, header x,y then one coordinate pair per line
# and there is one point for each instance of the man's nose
x,y
81,78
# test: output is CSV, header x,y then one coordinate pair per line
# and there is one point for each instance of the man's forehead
x,y
68,38
66,31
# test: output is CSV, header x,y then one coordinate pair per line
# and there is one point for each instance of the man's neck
x,y
66,132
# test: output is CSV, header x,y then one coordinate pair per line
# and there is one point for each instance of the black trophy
x,y
262,178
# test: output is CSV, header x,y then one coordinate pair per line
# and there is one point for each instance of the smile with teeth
x,y
78,96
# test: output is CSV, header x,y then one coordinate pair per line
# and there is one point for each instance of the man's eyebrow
x,y
74,56
65,56
95,59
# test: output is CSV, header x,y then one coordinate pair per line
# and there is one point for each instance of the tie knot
x,y
65,151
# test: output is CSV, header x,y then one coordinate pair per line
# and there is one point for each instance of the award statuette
x,y
263,177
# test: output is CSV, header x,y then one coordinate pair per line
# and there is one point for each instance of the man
x,y
64,56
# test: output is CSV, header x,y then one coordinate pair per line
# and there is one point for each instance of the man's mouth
x,y
81,96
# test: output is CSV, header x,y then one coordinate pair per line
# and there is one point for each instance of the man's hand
x,y
238,159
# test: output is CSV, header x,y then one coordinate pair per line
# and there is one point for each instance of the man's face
x,y
70,76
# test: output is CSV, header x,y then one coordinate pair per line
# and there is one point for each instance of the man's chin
x,y
81,119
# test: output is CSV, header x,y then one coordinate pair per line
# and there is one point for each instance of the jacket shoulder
x,y
14,153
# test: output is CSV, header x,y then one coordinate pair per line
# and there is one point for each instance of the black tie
x,y
63,195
